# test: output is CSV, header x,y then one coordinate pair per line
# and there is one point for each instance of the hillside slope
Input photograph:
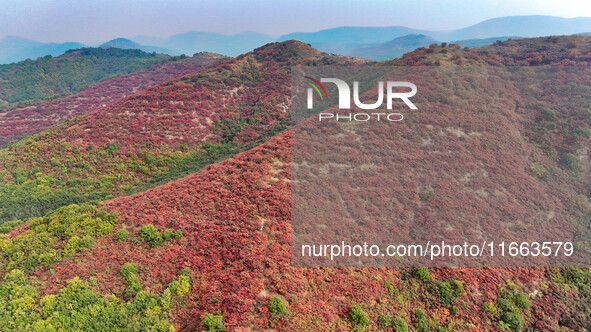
x,y
156,135
21,121
217,253
233,245
47,78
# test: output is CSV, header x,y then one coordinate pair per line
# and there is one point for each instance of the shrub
x,y
85,242
184,285
127,270
9,225
166,299
399,325
427,193
582,132
420,313
71,246
422,273
181,286
212,322
538,168
389,287
358,316
445,292
489,308
521,301
174,286
167,235
48,257
47,304
549,115
276,305
150,234
504,304
121,235
384,321
512,320
133,285
457,287
572,162
422,323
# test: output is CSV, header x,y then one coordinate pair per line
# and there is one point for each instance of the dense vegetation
x,y
17,122
59,237
211,251
152,137
51,77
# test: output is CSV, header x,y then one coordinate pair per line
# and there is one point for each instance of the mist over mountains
x,y
376,43
14,49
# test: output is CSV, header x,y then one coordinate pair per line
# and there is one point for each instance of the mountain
x,y
196,41
345,40
14,49
128,44
349,35
401,45
50,77
482,42
394,48
17,122
210,250
159,134
524,26
550,51
340,40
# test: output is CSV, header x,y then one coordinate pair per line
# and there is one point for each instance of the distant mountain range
x,y
196,41
349,40
370,42
14,49
127,44
394,48
398,46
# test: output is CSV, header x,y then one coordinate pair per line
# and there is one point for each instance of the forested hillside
x,y
208,246
76,70
18,122
154,136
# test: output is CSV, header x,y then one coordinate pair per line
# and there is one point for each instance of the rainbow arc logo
x,y
316,85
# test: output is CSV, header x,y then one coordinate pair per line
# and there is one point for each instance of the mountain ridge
x,y
339,40
124,43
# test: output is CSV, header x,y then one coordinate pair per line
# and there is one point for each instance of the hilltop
x,y
552,51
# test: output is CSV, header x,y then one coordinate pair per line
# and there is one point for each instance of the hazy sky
x,y
96,21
